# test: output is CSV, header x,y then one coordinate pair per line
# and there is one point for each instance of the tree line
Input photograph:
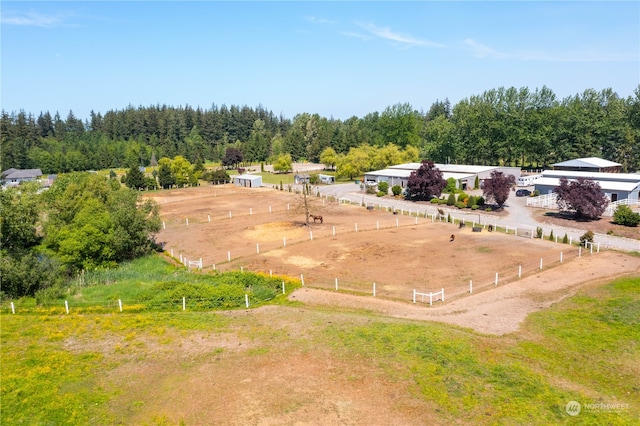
x,y
85,221
504,126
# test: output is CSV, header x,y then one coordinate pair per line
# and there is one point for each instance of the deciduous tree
x,y
426,182
497,187
582,195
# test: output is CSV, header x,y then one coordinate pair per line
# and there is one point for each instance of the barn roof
x,y
587,162
605,185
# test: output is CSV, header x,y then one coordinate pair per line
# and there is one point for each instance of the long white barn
x,y
616,186
465,175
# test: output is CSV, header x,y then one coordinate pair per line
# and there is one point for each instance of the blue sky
x,y
336,59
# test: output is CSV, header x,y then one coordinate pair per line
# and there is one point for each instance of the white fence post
x,y
302,279
414,295
284,241
311,235
283,292
13,307
541,264
442,294
250,211
496,278
397,222
519,271
164,225
336,284
228,256
580,251
257,248
246,300
377,224
120,304
334,231
187,220
229,214
209,217
184,303
374,291
66,306
470,286
356,226
560,257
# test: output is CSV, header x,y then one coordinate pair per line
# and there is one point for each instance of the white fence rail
x,y
430,295
611,208
547,201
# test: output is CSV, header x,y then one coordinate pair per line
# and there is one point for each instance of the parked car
x,y
523,193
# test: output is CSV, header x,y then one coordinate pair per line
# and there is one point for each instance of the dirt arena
x,y
263,230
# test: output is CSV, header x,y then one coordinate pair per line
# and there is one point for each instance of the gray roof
x,y
605,185
588,162
620,177
21,174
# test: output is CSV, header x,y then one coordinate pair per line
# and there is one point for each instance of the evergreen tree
x,y
135,178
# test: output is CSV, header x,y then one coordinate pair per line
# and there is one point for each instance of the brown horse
x,y
316,218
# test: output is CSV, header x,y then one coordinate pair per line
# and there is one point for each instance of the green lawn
x,y
585,349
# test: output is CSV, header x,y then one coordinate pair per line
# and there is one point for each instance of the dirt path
x,y
497,311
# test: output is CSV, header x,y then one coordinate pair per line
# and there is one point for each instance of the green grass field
x,y
57,369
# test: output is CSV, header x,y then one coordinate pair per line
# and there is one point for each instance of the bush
x,y
435,201
451,200
587,236
474,207
565,239
462,196
536,193
488,209
371,189
461,205
471,201
480,201
314,179
381,194
448,218
625,216
551,236
396,190
539,232
383,187
451,186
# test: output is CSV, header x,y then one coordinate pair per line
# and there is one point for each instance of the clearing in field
x,y
255,229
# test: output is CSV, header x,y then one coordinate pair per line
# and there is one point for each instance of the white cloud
x,y
320,21
32,19
356,35
398,38
480,50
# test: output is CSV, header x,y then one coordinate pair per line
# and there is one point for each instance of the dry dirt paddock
x,y
263,230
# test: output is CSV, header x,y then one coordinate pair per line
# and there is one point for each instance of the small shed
x,y
327,179
301,178
248,181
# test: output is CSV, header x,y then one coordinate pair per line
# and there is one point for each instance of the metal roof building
x,y
616,186
464,174
589,164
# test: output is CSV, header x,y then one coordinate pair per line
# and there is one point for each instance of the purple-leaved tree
x,y
426,182
582,195
497,187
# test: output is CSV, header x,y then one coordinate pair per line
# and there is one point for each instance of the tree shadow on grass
x,y
571,217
